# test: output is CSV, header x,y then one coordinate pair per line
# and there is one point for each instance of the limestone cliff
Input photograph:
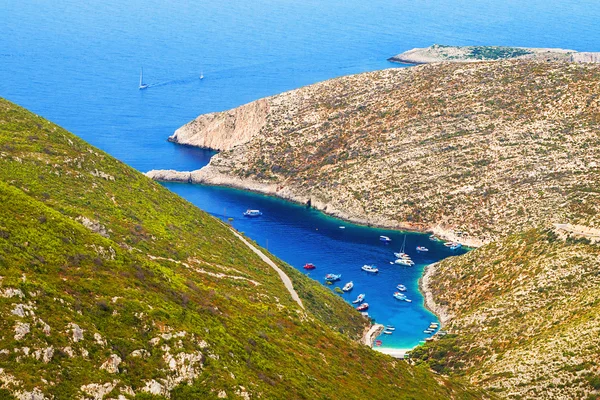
x,y
224,131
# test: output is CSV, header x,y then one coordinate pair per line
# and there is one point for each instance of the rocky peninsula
x,y
469,151
461,54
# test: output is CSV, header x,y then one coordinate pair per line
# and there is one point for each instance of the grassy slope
x,y
162,268
526,317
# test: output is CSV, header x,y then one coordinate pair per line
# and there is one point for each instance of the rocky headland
x,y
460,54
469,151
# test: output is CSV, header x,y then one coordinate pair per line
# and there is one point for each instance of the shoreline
x,y
204,176
209,175
429,302
393,352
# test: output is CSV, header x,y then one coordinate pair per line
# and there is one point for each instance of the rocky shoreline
x,y
211,175
430,304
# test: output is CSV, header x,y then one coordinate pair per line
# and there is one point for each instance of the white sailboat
x,y
201,75
142,84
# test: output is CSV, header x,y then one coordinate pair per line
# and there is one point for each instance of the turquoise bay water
x,y
299,235
77,64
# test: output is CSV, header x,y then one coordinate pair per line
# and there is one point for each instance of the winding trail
x,y
286,279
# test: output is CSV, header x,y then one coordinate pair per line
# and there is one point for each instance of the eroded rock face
x,y
112,364
224,131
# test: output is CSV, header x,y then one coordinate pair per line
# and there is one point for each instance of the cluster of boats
x,y
432,328
389,329
401,296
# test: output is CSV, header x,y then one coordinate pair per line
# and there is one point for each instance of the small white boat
x,y
142,84
201,75
422,249
433,238
333,277
399,296
370,268
359,299
252,213
385,239
390,328
348,286
342,227
402,255
401,288
402,261
453,245
408,300
388,332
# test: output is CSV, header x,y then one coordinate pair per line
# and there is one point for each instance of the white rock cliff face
x,y
224,131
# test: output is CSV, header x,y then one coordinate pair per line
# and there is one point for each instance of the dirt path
x,y
286,279
580,230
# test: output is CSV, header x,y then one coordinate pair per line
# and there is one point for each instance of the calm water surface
x,y
77,64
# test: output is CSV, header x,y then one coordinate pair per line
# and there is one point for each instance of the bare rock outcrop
x,y
224,131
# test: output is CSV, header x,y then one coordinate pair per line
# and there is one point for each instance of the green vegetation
x,y
526,316
108,279
495,52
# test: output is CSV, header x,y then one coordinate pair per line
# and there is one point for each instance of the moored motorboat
x,y
359,299
433,238
363,307
370,268
333,277
401,288
422,249
252,213
388,332
309,266
399,296
378,343
402,255
403,261
453,245
390,328
385,239
348,286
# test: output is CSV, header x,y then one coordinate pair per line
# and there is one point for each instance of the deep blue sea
x,y
77,64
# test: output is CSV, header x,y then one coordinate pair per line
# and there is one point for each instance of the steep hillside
x,y
113,287
523,316
471,151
